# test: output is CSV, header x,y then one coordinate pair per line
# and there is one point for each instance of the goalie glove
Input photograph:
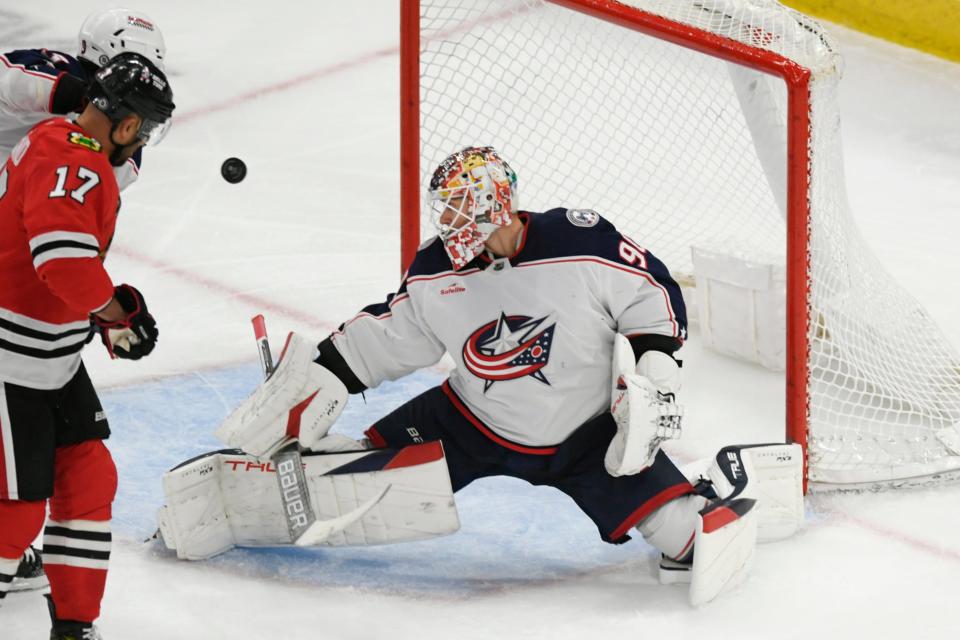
x,y
644,407
299,402
133,336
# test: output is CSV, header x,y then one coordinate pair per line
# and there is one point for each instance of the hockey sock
x,y
20,521
76,556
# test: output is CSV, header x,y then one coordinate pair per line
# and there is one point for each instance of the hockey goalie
x,y
564,334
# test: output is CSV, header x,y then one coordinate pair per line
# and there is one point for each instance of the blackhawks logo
x,y
78,138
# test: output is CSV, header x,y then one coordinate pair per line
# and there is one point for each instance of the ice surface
x,y
306,93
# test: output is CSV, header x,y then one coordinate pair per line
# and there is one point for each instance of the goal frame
x,y
797,80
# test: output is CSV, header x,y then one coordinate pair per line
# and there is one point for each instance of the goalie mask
x,y
472,194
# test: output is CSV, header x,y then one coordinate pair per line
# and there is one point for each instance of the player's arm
x,y
385,341
30,83
307,392
63,205
648,308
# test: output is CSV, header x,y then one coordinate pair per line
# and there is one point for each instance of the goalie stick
x,y
302,523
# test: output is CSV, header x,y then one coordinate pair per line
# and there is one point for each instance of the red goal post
x,y
444,41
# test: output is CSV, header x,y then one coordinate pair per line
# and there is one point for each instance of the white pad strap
x,y
299,402
228,499
643,406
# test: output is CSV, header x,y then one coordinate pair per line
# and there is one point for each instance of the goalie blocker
x,y
376,496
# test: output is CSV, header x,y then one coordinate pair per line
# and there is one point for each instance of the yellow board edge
x,y
932,26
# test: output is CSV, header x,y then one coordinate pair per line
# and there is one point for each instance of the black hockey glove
x,y
134,336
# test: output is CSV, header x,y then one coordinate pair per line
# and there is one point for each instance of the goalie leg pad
x,y
228,499
771,474
725,541
194,520
299,402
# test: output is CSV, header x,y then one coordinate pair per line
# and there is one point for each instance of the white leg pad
x,y
299,402
230,499
194,519
723,550
775,482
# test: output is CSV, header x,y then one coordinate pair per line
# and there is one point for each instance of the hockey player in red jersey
x,y
58,208
36,84
563,332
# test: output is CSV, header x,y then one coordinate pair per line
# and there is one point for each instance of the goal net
x,y
697,123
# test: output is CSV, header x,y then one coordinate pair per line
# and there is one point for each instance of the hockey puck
x,y
233,170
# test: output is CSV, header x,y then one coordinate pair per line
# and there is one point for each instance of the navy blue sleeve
x,y
47,61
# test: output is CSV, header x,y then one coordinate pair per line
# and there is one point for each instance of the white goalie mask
x,y
108,32
472,194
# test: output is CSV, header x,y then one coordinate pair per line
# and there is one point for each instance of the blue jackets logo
x,y
509,348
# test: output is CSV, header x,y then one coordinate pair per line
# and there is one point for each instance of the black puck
x,y
233,170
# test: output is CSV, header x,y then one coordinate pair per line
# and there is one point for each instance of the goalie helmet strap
x,y
331,359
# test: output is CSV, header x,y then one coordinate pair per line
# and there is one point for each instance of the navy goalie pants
x,y
575,466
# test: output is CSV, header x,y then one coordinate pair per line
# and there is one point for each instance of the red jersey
x,y
58,208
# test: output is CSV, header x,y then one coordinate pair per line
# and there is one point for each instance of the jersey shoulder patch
x,y
583,217
77,138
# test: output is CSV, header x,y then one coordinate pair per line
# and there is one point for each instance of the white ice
x,y
306,93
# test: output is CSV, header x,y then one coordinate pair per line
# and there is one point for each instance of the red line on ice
x,y
899,536
232,293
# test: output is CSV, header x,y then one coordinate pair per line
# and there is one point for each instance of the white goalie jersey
x,y
532,335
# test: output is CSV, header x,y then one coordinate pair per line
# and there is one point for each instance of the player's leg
x,y
27,444
20,522
431,416
77,537
683,521
617,504
227,498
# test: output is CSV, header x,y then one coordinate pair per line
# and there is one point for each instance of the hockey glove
x,y
135,335
644,408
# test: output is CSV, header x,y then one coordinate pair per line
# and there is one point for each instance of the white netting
x,y
680,148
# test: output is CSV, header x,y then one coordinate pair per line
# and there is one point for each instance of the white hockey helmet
x,y
472,194
108,32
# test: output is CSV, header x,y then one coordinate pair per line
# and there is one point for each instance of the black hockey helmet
x,y
131,83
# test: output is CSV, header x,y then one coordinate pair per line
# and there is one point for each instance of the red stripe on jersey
x,y
445,274
365,314
485,430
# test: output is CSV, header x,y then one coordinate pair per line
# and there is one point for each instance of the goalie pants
x,y
51,449
575,466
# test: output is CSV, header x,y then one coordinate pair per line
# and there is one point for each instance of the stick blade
x,y
320,530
